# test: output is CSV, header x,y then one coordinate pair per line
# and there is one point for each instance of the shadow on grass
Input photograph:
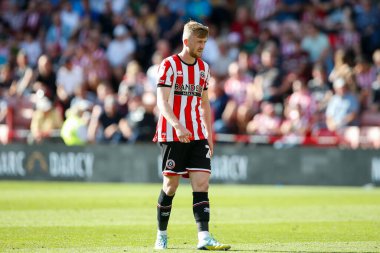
x,y
303,251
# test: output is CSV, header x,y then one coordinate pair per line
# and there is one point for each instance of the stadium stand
x,y
287,53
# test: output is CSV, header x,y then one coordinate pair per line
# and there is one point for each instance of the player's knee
x,y
201,186
170,188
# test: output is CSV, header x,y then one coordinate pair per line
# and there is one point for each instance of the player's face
x,y
196,46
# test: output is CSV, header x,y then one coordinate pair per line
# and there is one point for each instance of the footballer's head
x,y
194,38
194,28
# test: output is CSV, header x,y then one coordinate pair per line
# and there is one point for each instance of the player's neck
x,y
186,57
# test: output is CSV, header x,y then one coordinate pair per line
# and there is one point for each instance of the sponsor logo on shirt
x,y
188,90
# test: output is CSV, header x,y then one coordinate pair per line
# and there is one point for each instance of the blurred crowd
x,y
84,71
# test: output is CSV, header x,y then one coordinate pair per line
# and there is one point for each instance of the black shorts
x,y
181,158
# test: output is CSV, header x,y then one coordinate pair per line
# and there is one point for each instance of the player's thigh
x,y
199,181
198,157
173,158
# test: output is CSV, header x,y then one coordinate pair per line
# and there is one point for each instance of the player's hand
x,y
211,146
183,134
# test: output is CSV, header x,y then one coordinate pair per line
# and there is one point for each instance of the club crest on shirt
x,y
170,164
179,73
202,74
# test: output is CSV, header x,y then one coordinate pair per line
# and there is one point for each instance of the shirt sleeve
x,y
207,79
165,74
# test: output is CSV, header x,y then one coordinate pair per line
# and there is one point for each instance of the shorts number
x,y
208,155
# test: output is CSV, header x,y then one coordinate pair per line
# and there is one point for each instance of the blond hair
x,y
193,27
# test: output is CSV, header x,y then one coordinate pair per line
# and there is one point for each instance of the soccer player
x,y
184,133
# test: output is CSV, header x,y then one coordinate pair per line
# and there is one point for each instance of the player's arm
x,y
94,124
207,119
163,105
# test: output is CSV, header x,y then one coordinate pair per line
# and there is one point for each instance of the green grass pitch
x,y
89,217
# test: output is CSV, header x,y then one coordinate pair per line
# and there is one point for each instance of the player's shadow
x,y
195,250
260,250
298,251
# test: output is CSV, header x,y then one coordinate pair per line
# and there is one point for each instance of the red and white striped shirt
x,y
187,83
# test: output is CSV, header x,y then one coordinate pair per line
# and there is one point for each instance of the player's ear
x,y
186,42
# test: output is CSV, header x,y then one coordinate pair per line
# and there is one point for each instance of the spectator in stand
x,y
3,110
243,22
57,35
32,48
178,7
163,48
365,76
118,6
239,107
289,10
321,93
144,46
338,13
6,79
23,76
342,109
14,17
267,82
169,25
45,120
4,48
108,125
148,19
375,99
83,95
319,88
376,61
264,10
134,78
198,10
349,38
211,51
343,68
302,99
294,128
46,78
69,18
295,60
121,48
69,77
265,122
92,58
103,90
220,67
367,21
141,118
45,10
74,129
32,18
151,73
105,18
295,124
218,102
316,44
